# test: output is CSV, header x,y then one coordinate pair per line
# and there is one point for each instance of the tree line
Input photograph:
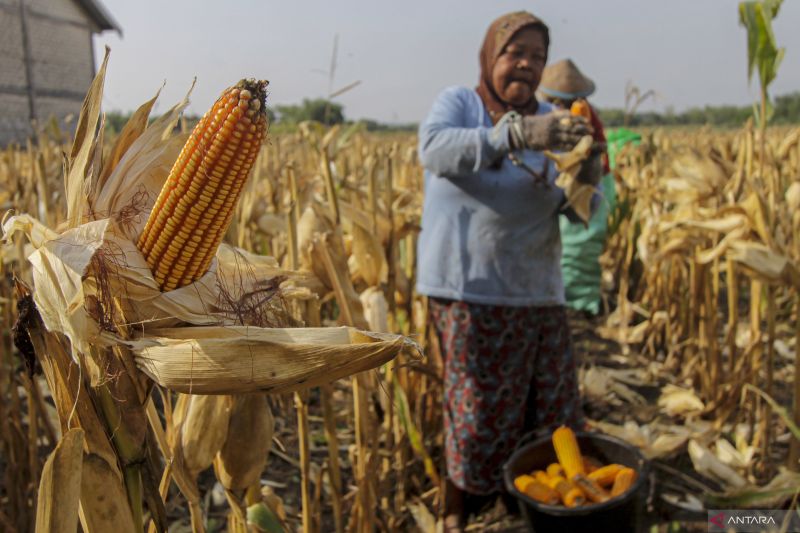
x,y
786,110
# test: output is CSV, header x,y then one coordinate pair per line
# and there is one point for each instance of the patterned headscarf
x,y
497,37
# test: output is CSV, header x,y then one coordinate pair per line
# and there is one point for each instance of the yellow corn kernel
x,y
580,107
535,490
571,496
195,206
554,470
568,452
541,476
604,476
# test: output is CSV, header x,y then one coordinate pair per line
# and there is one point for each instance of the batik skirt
x,y
508,371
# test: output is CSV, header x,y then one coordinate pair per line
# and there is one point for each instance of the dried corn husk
x,y
242,459
369,256
60,265
376,309
311,222
202,430
706,463
676,401
579,195
766,262
60,486
235,360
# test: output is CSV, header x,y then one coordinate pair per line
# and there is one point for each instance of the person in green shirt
x,y
562,84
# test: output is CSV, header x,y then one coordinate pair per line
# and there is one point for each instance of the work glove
x,y
591,169
554,131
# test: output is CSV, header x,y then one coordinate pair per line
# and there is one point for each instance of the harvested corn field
x,y
324,235
212,325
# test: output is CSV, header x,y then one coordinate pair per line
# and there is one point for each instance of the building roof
x,y
99,15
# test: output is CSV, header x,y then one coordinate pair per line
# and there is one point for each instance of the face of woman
x,y
518,70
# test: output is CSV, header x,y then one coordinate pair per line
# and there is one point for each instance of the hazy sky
x,y
693,52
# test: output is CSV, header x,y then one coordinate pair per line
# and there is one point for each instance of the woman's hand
x,y
555,131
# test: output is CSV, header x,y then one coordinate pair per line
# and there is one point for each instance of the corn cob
x,y
605,476
571,496
623,481
535,490
591,489
554,470
541,476
521,482
196,204
580,107
568,452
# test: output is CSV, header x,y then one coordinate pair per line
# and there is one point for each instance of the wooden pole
x,y
27,60
300,397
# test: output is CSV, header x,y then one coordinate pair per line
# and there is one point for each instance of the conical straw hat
x,y
563,80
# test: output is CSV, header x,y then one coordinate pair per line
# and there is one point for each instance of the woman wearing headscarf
x,y
488,259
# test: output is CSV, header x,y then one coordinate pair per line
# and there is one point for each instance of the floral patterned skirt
x,y
508,371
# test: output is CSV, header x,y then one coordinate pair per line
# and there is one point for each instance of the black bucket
x,y
621,515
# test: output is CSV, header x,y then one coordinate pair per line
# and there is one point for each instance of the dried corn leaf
x,y
728,454
414,435
625,334
605,384
311,222
363,218
60,486
104,501
328,249
376,310
678,243
654,440
424,519
765,262
793,196
788,142
720,225
667,444
698,172
705,257
369,256
770,496
80,172
757,213
271,224
130,191
58,266
676,401
630,432
134,127
707,464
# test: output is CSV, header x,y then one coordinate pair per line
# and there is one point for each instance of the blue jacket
x,y
490,233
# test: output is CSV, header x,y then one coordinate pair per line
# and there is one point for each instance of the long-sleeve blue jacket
x,y
490,232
